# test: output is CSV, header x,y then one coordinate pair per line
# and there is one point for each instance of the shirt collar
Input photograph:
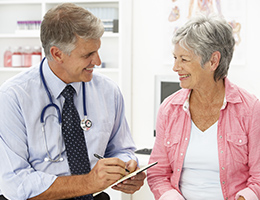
x,y
54,83
231,96
232,93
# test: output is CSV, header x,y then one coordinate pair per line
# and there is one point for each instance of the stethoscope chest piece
x,y
85,124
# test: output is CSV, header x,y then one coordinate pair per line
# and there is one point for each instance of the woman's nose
x,y
176,66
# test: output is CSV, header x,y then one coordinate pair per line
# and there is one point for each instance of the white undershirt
x,y
200,174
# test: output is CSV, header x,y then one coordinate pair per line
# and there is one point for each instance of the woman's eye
x,y
184,60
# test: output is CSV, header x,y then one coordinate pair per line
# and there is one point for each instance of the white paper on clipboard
x,y
130,175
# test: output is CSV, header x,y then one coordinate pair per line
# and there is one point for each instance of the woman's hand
x,y
241,198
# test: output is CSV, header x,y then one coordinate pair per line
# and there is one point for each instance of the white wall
x,y
148,61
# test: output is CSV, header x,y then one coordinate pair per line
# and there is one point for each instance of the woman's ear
x,y
57,54
215,59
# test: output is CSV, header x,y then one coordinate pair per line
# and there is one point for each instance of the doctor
x,y
34,158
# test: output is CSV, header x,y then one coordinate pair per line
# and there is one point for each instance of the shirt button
x,y
168,142
186,138
223,182
181,154
220,137
178,170
240,141
223,168
221,151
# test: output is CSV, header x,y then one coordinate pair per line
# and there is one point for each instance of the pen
x,y
100,157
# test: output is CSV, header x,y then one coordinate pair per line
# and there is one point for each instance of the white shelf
x,y
19,69
55,1
6,2
13,36
12,69
37,35
80,1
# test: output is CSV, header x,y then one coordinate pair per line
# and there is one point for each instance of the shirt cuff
x,y
171,194
247,193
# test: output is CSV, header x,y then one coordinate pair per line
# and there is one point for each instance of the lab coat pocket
x,y
237,144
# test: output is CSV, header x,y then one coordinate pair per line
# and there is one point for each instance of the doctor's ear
x,y
57,54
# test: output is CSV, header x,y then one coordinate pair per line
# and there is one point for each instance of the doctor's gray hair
x,y
204,35
64,23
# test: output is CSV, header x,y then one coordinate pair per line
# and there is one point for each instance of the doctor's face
x,y
78,66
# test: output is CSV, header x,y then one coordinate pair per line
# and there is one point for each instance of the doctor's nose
x,y
96,59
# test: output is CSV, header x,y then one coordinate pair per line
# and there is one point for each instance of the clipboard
x,y
130,175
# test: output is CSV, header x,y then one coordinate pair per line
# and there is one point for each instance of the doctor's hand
x,y
133,184
106,172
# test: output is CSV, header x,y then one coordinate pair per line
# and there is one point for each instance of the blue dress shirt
x,y
24,171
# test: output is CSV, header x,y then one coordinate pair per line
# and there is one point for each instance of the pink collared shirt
x,y
238,145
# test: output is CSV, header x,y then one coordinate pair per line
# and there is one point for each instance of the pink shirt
x,y
238,145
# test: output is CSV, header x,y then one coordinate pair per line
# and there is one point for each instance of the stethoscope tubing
x,y
51,104
85,123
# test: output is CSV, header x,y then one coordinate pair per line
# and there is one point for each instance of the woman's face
x,y
187,65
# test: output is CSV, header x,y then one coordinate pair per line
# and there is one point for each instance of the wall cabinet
x,y
115,49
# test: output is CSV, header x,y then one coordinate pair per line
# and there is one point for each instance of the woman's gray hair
x,y
64,23
204,35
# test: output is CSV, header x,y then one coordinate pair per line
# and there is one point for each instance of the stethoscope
x,y
85,123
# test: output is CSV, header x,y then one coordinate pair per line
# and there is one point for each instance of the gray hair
x,y
204,35
64,23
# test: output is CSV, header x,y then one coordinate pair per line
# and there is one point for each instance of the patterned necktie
x,y
74,139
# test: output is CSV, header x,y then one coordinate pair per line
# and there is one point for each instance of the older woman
x,y
207,143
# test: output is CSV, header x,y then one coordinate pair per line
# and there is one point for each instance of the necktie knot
x,y
68,93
